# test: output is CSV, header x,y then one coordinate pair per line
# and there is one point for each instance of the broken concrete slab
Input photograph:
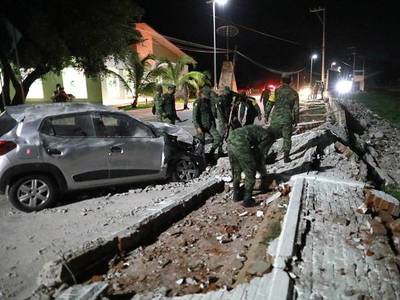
x,y
337,255
83,292
80,261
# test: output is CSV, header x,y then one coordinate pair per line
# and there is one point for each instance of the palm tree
x,y
174,73
141,77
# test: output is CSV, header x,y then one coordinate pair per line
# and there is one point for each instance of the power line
x,y
201,48
272,70
176,40
204,51
261,33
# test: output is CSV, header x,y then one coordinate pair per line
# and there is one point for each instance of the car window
x,y
116,125
79,125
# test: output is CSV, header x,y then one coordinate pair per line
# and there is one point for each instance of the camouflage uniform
x,y
223,107
284,115
245,111
264,101
247,149
158,102
265,97
168,108
203,118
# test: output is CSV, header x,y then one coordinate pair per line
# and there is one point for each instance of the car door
x,y
134,152
70,143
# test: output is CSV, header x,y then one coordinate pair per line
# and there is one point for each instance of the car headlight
x,y
344,86
305,92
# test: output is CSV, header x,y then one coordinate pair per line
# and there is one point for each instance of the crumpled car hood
x,y
181,134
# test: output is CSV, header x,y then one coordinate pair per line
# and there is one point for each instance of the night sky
x,y
370,26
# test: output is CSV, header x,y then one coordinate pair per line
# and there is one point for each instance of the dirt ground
x,y
216,246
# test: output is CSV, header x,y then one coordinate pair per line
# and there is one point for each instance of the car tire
x,y
32,193
185,169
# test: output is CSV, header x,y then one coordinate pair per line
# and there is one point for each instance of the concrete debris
x,y
83,292
394,226
273,197
231,233
381,136
259,268
259,214
377,228
380,201
345,150
284,189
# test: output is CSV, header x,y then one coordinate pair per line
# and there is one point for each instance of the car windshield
x,y
6,123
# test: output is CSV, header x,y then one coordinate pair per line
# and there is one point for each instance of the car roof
x,y
35,112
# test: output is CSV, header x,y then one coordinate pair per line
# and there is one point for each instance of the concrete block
x,y
394,226
377,228
380,201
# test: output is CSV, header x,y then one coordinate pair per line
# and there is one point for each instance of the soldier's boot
x,y
265,181
286,158
214,157
248,200
237,194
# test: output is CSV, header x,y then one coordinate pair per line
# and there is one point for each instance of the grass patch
x,y
384,103
139,106
393,190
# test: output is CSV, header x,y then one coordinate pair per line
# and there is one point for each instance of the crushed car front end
x,y
184,154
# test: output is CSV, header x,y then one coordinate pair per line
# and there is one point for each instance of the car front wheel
x,y
32,193
185,169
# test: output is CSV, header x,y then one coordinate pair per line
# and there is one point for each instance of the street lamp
x,y
313,57
222,3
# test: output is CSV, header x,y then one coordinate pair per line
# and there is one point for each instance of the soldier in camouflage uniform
x,y
285,114
223,106
247,149
204,121
158,101
168,106
265,97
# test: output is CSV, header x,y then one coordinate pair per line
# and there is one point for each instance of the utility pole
x,y
323,22
215,47
298,81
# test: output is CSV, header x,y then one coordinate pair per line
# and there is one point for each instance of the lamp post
x,y
323,22
222,3
313,57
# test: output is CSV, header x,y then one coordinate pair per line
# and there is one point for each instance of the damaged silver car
x,y
50,149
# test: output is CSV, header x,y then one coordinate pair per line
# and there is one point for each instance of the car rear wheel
x,y
185,169
32,193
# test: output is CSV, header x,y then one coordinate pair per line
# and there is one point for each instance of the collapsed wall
x,y
334,170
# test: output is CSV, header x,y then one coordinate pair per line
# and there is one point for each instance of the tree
x,y
174,73
141,76
55,34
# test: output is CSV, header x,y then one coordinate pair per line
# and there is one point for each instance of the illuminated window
x,y
74,82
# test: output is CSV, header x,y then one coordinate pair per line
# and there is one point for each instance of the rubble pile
x,y
203,252
376,137
385,211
